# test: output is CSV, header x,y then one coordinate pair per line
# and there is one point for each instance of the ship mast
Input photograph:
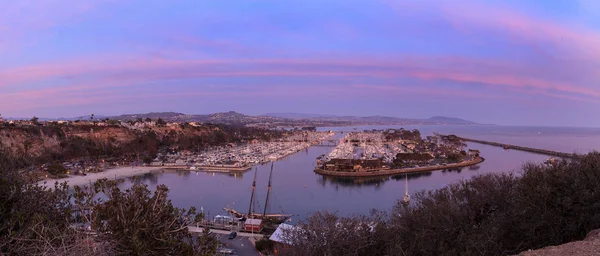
x,y
252,196
268,191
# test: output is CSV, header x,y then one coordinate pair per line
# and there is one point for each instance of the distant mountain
x,y
297,115
151,115
370,119
449,120
80,117
277,119
231,117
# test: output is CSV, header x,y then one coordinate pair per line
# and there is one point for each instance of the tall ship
x,y
268,218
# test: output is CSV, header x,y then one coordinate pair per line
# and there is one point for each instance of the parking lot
x,y
240,245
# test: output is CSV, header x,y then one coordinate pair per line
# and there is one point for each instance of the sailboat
x,y
273,218
406,198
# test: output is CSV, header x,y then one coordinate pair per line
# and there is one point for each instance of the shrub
x,y
264,245
57,169
491,214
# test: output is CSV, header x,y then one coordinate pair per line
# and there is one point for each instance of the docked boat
x,y
267,217
551,161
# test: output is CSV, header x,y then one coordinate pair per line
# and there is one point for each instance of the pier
x,y
521,148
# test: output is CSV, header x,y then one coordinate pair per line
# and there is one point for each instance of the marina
x,y
394,151
299,191
243,156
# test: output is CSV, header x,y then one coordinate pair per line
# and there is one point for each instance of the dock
x,y
200,229
521,148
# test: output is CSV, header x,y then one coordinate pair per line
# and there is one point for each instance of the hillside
x,y
449,120
295,115
275,120
230,118
37,144
381,120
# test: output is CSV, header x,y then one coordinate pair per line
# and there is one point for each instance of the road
x,y
241,245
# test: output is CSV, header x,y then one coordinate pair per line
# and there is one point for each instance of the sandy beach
x,y
114,173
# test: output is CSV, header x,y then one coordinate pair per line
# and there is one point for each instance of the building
x,y
347,165
254,225
278,237
223,220
474,152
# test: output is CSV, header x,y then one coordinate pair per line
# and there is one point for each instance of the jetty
x,y
521,148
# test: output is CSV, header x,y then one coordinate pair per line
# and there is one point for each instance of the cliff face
x,y
33,141
590,246
35,144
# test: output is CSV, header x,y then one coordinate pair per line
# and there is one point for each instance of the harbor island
x,y
395,151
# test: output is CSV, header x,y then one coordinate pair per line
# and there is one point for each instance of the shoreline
x,y
111,174
388,172
207,168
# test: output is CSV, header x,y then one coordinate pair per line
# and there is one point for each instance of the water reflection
x,y
153,177
368,181
411,176
474,167
147,178
353,182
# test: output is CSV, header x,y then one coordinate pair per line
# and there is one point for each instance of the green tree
x,y
57,170
325,233
35,120
454,157
113,122
33,218
160,122
141,222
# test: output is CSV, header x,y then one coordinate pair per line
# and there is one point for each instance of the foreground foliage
x,y
35,220
492,214
140,222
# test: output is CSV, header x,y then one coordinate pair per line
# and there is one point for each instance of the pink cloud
x,y
412,90
21,18
80,96
569,42
118,72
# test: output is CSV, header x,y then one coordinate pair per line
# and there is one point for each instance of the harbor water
x,y
297,190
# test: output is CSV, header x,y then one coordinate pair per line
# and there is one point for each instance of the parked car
x,y
224,251
232,235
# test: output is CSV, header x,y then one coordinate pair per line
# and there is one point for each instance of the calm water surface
x,y
298,190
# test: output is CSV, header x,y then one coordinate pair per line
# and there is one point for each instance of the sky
x,y
513,62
